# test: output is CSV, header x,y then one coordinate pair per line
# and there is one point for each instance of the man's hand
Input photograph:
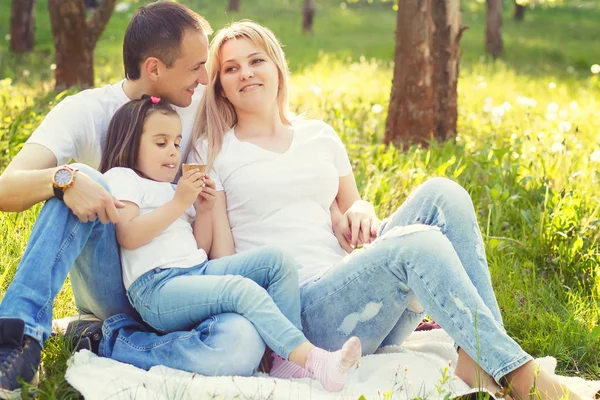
x,y
206,199
89,200
358,225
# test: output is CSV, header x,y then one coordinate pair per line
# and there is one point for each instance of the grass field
x,y
528,146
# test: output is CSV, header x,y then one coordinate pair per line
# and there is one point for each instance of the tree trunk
x,y
519,12
446,57
75,39
22,26
411,112
234,5
493,33
308,14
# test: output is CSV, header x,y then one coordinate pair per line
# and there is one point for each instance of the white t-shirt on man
x,y
175,247
76,127
284,199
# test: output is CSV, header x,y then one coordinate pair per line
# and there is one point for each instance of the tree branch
x,y
98,20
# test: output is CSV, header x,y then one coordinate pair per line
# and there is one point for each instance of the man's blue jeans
x,y
224,344
429,256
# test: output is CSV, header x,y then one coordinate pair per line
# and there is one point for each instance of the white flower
x,y
498,112
557,147
552,85
487,104
53,67
551,116
122,7
570,69
343,5
573,105
595,69
376,109
552,107
496,119
316,89
595,157
526,101
541,136
514,136
7,37
564,126
507,106
26,72
563,113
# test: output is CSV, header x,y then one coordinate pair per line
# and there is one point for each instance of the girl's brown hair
x,y
122,142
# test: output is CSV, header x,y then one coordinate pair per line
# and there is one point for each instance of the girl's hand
x,y
206,198
189,186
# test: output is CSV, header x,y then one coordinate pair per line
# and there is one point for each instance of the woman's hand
x,y
206,198
359,224
189,187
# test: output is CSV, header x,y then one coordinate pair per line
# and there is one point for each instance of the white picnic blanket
x,y
415,369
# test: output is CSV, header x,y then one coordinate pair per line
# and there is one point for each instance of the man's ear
x,y
151,68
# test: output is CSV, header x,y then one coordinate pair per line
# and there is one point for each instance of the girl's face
x,y
249,78
159,155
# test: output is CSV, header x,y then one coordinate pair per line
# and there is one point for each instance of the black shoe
x,y
19,358
84,334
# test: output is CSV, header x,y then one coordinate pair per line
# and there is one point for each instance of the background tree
x,y
234,5
22,26
308,14
493,32
519,14
75,38
423,99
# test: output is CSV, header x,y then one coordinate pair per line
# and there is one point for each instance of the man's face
x,y
177,83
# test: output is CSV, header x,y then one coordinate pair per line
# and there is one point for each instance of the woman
x,y
280,177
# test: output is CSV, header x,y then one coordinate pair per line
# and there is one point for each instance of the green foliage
x,y
527,150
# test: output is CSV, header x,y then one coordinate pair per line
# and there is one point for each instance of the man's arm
x,y
28,180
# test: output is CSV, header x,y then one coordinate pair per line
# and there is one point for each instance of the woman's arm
x,y
222,243
358,223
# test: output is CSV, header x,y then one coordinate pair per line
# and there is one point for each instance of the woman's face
x,y
249,78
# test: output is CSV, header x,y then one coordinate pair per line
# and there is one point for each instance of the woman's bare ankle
x,y
530,381
472,374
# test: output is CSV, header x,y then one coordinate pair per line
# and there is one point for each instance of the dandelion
x,y
7,37
595,157
487,104
552,107
595,69
563,114
26,73
557,147
570,69
516,155
343,5
573,105
514,136
52,67
122,7
564,126
376,109
541,136
526,101
316,89
550,116
552,85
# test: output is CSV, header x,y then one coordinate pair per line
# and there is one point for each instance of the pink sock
x,y
285,369
330,368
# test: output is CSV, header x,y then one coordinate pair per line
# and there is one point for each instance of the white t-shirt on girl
x,y
76,127
284,199
174,247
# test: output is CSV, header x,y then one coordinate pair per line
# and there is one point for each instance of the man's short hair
x,y
156,30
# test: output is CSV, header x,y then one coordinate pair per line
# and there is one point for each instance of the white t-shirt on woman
x,y
284,199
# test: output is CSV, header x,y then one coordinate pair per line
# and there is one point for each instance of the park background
x,y
527,146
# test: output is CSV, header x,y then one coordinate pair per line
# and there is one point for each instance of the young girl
x,y
165,234
280,176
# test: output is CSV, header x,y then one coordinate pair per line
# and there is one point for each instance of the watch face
x,y
63,177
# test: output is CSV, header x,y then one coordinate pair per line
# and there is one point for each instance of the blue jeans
x,y
261,285
429,255
60,243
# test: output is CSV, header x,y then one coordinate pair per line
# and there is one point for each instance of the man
x,y
164,54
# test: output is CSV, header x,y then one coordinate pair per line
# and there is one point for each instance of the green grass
x,y
527,149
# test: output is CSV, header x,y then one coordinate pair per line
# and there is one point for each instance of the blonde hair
x,y
216,115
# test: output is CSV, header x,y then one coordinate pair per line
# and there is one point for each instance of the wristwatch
x,y
63,179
